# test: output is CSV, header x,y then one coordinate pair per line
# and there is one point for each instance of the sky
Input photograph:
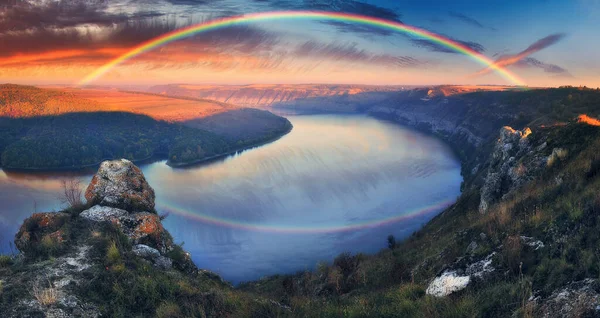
x,y
542,42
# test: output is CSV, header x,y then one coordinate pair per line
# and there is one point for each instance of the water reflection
x,y
274,205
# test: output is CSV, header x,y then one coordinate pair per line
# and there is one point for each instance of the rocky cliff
x,y
68,261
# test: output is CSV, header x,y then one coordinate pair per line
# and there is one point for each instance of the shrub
x,y
391,242
72,193
5,261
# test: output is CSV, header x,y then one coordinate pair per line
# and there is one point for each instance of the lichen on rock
x,y
120,184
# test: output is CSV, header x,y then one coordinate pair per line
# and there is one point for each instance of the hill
x,y
17,101
85,139
160,107
267,96
50,129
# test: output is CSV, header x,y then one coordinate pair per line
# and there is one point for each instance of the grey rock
x,y
153,255
472,247
577,299
530,241
102,213
145,251
163,262
120,184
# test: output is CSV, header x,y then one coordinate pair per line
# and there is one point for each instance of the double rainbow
x,y
303,229
306,15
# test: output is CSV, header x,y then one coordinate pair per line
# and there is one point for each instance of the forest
x,y
81,139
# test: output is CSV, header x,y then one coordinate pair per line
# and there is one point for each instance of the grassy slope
x,y
564,215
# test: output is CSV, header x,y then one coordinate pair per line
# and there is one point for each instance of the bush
x,y
5,261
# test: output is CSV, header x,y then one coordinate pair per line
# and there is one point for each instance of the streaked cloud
x,y
435,47
469,20
350,52
510,59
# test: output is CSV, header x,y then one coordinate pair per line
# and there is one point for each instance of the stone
x,y
447,283
146,228
120,184
531,242
472,247
103,213
577,299
145,251
163,262
153,255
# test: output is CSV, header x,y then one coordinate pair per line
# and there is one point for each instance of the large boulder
x,y
120,184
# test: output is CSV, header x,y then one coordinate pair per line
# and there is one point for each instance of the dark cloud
x,y
359,28
469,20
33,15
349,52
240,39
346,6
435,47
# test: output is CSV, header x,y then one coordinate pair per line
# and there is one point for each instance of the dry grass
x,y
72,190
46,296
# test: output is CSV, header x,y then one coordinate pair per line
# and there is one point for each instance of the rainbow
x,y
310,15
316,229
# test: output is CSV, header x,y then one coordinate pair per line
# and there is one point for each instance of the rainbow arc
x,y
302,15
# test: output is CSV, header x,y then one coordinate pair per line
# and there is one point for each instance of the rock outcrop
x,y
577,299
119,200
123,197
120,184
513,163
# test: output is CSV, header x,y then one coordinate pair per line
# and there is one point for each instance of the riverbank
x,y
287,130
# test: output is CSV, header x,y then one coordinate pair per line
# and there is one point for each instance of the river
x,y
335,183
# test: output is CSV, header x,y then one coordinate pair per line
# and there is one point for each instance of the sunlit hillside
x,y
156,106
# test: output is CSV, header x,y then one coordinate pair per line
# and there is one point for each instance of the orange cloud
x,y
507,60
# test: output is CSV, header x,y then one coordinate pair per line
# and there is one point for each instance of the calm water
x,y
334,184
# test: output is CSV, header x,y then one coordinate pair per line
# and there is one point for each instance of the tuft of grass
x,y
113,256
46,296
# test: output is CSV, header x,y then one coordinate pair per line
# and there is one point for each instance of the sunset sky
x,y
544,42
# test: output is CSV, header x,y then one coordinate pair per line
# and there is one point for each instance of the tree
x,y
391,242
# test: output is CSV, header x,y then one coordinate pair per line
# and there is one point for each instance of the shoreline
x,y
157,156
231,152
